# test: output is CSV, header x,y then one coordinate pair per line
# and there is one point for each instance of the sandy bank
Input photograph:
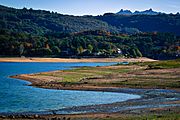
x,y
18,59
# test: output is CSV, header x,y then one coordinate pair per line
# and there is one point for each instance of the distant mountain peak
x,y
146,12
124,12
150,9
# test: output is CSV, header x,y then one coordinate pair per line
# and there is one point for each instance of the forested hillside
x,y
40,22
145,23
91,44
39,33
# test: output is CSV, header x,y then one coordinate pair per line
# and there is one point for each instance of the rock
x,y
30,117
23,116
54,113
36,116
2,116
55,118
11,116
68,118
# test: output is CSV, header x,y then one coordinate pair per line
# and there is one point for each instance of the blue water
x,y
16,96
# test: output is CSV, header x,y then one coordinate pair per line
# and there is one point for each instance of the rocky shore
x,y
151,101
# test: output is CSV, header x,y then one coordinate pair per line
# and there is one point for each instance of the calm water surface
x,y
16,96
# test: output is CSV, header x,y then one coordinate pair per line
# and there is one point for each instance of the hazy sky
x,y
95,7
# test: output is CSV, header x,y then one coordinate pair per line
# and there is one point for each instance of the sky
x,y
95,7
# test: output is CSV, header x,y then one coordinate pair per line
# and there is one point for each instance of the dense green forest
x,y
90,44
145,23
32,33
40,22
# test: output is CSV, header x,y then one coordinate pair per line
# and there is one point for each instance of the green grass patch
x,y
160,64
78,74
116,75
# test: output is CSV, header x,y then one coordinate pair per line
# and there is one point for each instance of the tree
x,y
138,53
21,49
80,50
134,53
55,50
90,48
43,52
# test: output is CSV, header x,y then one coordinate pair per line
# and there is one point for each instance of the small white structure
x,y
119,51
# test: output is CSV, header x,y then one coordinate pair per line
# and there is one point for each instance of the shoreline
x,y
35,82
36,59
152,99
95,88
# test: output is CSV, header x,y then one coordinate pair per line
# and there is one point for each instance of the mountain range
x,y
146,12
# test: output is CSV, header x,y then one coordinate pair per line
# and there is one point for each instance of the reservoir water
x,y
17,97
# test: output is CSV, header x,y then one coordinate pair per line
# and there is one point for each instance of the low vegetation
x,y
173,116
160,74
161,64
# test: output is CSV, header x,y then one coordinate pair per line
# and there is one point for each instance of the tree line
x,y
90,44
